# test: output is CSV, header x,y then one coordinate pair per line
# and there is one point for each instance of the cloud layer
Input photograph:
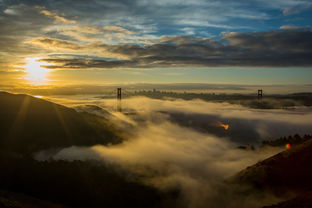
x,y
168,154
269,49
145,34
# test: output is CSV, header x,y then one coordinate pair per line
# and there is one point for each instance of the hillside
x,y
74,184
29,124
286,174
289,169
15,200
302,201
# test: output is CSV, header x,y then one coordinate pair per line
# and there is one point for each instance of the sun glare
x,y
36,74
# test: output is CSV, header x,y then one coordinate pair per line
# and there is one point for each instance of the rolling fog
x,y
178,144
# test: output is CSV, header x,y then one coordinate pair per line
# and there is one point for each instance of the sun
x,y
36,74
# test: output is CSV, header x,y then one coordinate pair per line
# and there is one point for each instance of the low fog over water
x,y
189,145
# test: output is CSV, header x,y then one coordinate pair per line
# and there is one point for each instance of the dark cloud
x,y
134,33
277,41
268,49
86,63
55,44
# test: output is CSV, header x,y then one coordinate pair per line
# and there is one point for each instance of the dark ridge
x,y
291,140
78,184
29,124
302,201
286,172
16,200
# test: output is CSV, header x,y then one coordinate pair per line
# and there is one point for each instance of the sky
x,y
77,42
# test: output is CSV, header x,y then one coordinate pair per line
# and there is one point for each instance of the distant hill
x,y
248,100
283,141
29,124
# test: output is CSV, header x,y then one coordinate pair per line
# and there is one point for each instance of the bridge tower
x,y
119,99
260,94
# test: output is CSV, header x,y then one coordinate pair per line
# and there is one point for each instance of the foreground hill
x,y
78,184
287,174
15,200
28,124
302,201
289,169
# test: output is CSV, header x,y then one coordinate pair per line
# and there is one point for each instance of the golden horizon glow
x,y
35,73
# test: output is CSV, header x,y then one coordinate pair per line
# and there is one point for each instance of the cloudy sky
x,y
165,41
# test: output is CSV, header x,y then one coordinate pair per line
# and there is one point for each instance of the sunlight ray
x,y
20,118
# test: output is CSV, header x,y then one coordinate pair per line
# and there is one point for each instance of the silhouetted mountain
x,y
75,184
28,124
302,201
289,170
